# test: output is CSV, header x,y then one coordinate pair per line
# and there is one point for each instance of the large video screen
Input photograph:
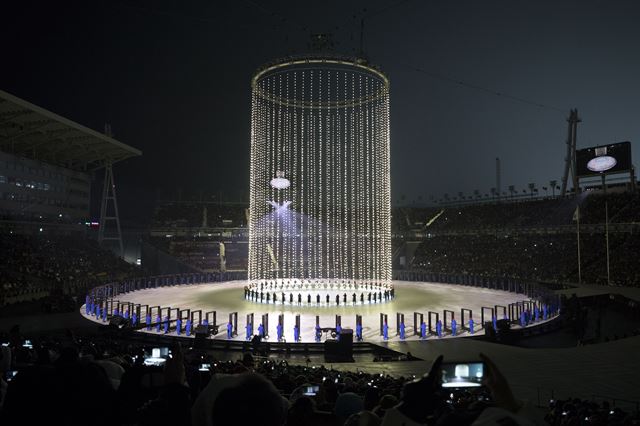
x,y
614,158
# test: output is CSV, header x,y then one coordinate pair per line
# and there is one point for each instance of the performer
x,y
291,298
166,324
178,326
188,327
338,331
471,325
344,298
385,331
248,331
402,331
299,299
158,323
318,331
296,333
318,299
309,299
423,330
362,298
147,321
279,331
359,332
134,319
338,299
229,330
261,330
439,328
454,326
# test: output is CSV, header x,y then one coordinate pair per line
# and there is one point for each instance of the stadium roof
x,y
33,132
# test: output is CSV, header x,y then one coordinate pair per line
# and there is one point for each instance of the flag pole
x,y
578,236
606,227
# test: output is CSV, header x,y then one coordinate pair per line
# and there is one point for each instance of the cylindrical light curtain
x,y
319,173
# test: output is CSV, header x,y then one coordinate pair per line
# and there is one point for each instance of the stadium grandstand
x,y
47,164
197,236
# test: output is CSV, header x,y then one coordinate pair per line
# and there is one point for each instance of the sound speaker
x,y
201,333
503,325
340,350
119,322
346,337
489,331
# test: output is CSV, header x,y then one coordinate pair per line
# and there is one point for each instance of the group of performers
x,y
267,297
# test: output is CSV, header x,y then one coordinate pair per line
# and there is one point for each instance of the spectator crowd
x,y
113,382
35,266
536,240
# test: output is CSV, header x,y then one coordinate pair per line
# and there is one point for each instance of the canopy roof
x,y
33,132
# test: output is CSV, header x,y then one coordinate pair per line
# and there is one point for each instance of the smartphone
x,y
462,374
311,390
158,356
204,367
162,352
27,344
10,375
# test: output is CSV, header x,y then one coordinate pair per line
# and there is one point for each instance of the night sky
x,y
172,79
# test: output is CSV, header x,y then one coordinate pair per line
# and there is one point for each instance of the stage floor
x,y
410,297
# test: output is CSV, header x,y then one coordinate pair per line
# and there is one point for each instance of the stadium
x,y
319,294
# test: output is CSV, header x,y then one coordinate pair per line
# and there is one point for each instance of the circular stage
x,y
227,297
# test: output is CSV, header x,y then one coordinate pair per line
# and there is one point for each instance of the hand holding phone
x,y
498,386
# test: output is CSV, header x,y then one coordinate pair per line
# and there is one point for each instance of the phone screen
x,y
462,374
311,390
204,367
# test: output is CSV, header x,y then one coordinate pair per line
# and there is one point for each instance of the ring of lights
x,y
319,173
326,63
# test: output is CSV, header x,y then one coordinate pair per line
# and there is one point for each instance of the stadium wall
x,y
32,190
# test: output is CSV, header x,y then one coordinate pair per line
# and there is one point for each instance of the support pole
x,y
570,158
578,236
606,228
